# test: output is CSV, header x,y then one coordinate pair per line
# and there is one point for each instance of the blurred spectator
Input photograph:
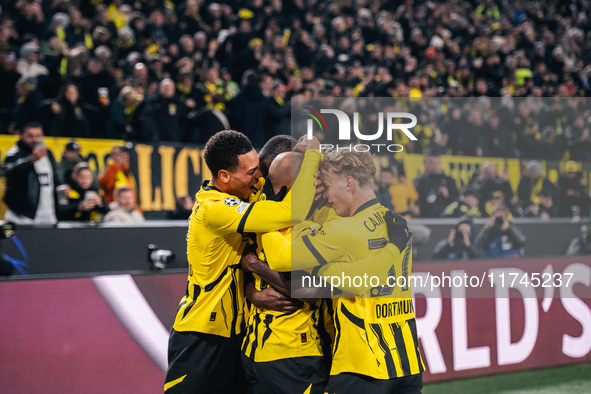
x,y
572,191
165,116
125,116
117,173
500,238
578,139
184,207
496,200
486,182
581,245
83,200
28,65
382,187
28,101
459,244
70,158
436,190
545,209
123,208
70,113
208,121
467,205
532,183
353,50
8,82
97,88
250,108
404,195
31,179
279,111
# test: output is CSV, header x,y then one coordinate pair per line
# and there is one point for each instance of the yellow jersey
x,y
375,336
214,299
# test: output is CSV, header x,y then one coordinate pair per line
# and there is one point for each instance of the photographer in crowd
x,y
580,246
459,244
500,238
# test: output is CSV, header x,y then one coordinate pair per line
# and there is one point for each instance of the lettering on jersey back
x,y
373,221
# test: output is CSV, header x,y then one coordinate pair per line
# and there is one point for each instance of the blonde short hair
x,y
358,165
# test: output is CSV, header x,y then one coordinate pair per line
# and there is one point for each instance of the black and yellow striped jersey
x,y
272,335
376,337
214,299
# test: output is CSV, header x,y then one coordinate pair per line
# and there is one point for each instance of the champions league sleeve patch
x,y
231,202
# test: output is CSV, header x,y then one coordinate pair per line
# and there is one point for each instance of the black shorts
x,y
204,363
350,383
287,376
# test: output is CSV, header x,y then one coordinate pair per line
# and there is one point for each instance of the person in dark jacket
x,y
459,245
532,182
70,113
382,187
165,116
572,191
278,112
500,238
83,202
31,179
436,190
250,108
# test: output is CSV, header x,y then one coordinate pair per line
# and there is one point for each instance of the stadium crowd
x,y
181,70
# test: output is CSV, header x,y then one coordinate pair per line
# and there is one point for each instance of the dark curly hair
x,y
223,148
275,146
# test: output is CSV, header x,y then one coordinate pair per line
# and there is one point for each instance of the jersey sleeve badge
x,y
231,201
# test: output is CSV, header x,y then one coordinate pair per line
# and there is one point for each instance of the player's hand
x,y
398,233
304,144
320,188
270,298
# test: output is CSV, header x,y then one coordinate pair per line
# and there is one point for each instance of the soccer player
x,y
376,345
281,352
204,345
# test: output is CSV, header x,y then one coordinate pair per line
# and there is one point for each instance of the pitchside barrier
x,y
108,333
166,171
72,248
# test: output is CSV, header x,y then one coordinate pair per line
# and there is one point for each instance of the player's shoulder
x,y
213,200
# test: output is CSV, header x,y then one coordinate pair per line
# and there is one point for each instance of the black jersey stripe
x,y
337,325
313,250
196,292
209,287
386,349
247,337
401,348
354,319
234,304
412,324
244,217
268,320
257,322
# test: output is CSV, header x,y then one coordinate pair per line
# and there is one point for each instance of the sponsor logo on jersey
x,y
242,207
